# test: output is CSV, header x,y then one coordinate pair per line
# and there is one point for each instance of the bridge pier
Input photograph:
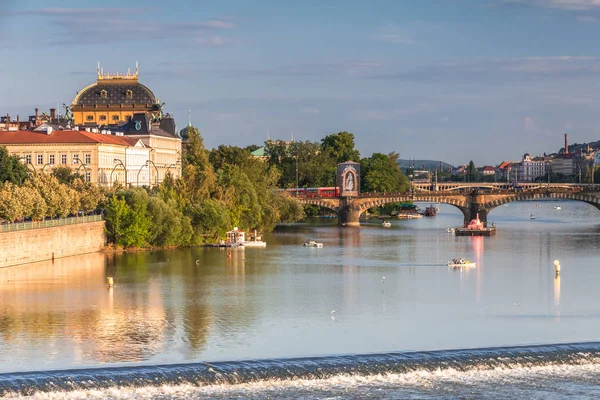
x,y
476,207
348,213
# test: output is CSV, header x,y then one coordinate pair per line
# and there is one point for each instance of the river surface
x,y
375,313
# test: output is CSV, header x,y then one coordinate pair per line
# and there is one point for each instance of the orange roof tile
x,y
59,137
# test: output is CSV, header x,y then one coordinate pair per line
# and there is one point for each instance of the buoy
x,y
109,281
557,267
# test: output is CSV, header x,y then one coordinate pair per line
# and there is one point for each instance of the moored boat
x,y
430,211
312,243
386,224
255,241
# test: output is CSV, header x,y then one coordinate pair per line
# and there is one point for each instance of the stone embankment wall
x,y
31,245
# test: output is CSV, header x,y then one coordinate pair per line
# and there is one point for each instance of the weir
x,y
239,372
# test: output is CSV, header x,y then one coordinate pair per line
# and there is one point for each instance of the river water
x,y
375,313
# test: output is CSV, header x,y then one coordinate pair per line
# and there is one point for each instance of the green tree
x,y
228,155
210,220
11,169
471,172
116,213
381,173
63,174
341,147
197,170
10,207
90,195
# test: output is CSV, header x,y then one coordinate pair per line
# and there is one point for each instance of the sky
x,y
451,80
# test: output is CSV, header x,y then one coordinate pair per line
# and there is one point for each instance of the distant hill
x,y
576,147
422,164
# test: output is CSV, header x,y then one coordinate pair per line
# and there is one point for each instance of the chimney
x,y
7,119
52,114
37,117
566,143
17,118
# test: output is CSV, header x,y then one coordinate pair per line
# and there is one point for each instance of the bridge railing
x,y
48,223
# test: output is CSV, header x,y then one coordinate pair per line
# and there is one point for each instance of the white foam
x,y
422,380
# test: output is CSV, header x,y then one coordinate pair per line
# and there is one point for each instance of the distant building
x,y
8,124
531,169
93,155
488,170
113,100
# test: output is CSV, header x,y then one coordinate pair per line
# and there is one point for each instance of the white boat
x,y
312,243
255,241
450,230
557,207
386,224
461,263
532,216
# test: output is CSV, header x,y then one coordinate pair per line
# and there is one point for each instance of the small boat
x,y
461,262
312,243
386,224
430,211
255,241
450,230
532,216
557,207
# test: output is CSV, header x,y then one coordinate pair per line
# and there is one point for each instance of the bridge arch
x,y
525,196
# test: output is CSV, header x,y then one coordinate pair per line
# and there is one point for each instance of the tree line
x,y
218,189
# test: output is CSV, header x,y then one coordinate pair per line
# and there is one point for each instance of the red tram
x,y
314,192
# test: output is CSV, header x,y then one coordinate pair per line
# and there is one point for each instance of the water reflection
x,y
205,304
557,290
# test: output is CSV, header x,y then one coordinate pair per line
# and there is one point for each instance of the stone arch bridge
x,y
471,202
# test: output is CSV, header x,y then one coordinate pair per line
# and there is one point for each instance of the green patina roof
x,y
260,152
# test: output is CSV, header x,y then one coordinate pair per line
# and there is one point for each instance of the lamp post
x,y
23,160
117,163
149,177
45,165
172,165
82,165
138,174
297,180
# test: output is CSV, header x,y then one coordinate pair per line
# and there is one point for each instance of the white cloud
x,y
309,110
588,18
392,33
529,124
574,5
227,117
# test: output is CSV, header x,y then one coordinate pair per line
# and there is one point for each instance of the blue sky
x,y
455,80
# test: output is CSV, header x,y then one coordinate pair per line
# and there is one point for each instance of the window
x,y
103,94
103,118
75,158
115,117
88,176
90,117
63,158
129,94
88,158
28,159
40,159
51,159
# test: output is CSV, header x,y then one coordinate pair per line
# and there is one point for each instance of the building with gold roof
x,y
113,100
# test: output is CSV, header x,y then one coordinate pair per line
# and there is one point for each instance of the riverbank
x,y
41,244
